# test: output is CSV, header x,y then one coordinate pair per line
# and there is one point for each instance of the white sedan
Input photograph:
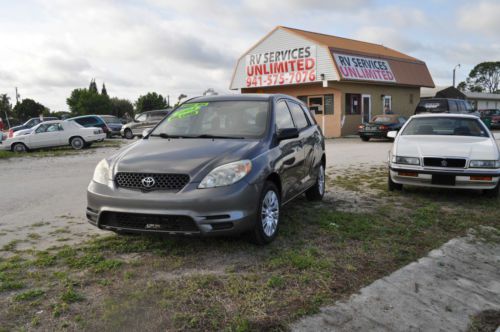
x,y
445,151
54,133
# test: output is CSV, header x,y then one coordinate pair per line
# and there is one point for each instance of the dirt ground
x,y
42,200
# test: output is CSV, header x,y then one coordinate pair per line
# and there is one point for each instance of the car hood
x,y
479,148
191,156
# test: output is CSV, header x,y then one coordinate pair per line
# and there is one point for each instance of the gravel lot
x,y
43,199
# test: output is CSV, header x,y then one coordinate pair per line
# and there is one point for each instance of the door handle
x,y
289,161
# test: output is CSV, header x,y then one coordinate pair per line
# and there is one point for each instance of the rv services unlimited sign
x,y
280,67
354,67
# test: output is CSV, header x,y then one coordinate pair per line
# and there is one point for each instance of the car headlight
x,y
101,172
484,164
406,160
226,174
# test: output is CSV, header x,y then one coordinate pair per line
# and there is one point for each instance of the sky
x,y
50,47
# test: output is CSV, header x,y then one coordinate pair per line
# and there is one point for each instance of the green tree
x,y
104,92
181,96
119,107
93,86
28,108
5,108
484,77
84,102
150,101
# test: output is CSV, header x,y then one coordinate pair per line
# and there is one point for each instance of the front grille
x,y
154,222
444,162
174,182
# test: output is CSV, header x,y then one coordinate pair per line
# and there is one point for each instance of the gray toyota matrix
x,y
216,165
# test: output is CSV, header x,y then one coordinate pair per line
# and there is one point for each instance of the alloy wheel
x,y
270,213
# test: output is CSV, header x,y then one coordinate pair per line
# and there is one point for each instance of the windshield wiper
x,y
163,135
216,136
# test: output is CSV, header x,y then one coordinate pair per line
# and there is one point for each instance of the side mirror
x,y
392,134
146,132
287,133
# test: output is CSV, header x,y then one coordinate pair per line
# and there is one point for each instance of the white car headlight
x,y
406,160
226,174
484,164
101,172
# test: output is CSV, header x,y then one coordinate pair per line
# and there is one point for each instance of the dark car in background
x,y
380,125
217,165
444,105
142,121
491,117
92,121
30,124
114,123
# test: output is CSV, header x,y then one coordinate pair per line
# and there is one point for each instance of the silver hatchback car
x,y
215,165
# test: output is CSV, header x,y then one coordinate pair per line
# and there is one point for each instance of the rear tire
x,y
77,143
268,215
364,138
19,148
493,193
316,192
128,134
393,185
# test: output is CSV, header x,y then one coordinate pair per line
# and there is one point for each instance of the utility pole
x,y
454,69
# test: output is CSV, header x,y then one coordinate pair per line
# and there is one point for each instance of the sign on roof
x,y
353,67
281,67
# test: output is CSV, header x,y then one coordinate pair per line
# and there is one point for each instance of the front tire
x,y
77,143
393,185
19,148
128,134
493,193
316,192
268,215
364,138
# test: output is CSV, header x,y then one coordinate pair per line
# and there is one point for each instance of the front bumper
x,y
373,133
404,174
191,211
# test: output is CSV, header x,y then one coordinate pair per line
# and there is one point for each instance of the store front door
x,y
366,108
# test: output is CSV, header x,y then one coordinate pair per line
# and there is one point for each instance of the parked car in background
x,y
54,133
216,165
29,124
445,151
444,105
89,121
380,125
491,117
114,124
145,120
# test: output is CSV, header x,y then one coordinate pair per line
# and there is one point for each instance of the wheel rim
x,y
270,213
19,148
128,134
321,180
77,143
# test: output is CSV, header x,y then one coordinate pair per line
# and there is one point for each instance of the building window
x,y
315,104
387,104
352,103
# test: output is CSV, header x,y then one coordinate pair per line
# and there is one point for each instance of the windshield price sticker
x,y
187,110
290,66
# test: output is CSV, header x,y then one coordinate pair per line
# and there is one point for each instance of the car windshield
x,y
445,126
384,119
220,119
433,106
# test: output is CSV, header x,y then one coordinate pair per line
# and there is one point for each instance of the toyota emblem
x,y
148,182
444,163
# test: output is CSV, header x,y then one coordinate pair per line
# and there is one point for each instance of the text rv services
x,y
291,66
361,68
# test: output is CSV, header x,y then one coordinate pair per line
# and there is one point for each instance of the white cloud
x,y
482,17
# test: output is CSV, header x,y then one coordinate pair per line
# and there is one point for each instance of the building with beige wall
x,y
344,82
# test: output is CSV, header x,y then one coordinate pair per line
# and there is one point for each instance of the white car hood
x,y
474,148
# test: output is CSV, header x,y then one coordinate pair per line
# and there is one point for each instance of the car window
x,y
283,116
141,117
298,115
445,126
309,113
453,106
384,119
461,107
54,127
432,105
245,119
156,116
42,128
402,120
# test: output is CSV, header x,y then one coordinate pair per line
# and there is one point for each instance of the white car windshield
x,y
224,119
450,126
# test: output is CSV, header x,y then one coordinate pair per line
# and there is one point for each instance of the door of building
x,y
316,105
366,108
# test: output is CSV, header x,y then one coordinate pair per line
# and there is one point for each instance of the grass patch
x,y
29,295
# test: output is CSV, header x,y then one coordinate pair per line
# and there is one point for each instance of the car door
x,y
309,138
290,162
46,135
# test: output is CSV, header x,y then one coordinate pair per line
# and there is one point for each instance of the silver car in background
x,y
142,121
